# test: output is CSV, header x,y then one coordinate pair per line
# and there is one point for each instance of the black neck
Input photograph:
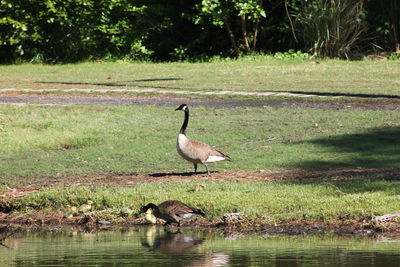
x,y
185,122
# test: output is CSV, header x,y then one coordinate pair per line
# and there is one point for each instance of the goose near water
x,y
172,211
194,151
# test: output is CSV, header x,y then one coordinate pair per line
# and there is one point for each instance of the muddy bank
x,y
366,225
390,104
243,226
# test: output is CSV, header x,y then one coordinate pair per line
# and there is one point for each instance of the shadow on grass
x,y
374,148
343,94
120,84
357,185
374,156
165,174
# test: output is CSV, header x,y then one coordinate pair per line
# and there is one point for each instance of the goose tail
x,y
225,156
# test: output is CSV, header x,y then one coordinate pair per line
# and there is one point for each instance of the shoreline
x,y
243,226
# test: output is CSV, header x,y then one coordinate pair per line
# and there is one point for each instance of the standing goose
x,y
172,211
195,151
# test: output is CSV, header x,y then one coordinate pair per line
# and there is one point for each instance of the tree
x,y
236,16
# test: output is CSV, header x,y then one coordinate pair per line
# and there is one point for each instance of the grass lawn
x,y
57,141
260,73
266,201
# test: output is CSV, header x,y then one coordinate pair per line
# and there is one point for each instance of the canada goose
x,y
171,242
172,211
195,151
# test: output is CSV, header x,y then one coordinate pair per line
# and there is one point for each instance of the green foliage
x,y
222,13
291,54
212,10
329,28
180,53
56,30
394,56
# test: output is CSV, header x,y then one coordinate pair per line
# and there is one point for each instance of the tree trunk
x,y
244,32
395,24
232,37
291,22
255,34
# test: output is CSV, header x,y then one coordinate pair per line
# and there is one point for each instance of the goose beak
x,y
176,109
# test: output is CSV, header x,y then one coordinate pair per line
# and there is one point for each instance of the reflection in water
x,y
170,242
156,246
180,243
5,235
211,260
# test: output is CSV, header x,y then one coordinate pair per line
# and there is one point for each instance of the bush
x,y
291,54
70,30
329,28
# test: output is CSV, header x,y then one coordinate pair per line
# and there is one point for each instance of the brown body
x,y
172,211
197,152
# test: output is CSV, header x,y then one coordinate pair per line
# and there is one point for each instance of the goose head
x,y
148,206
183,107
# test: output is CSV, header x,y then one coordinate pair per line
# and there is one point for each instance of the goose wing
x,y
178,208
219,154
208,153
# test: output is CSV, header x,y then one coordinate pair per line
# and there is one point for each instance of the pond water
x,y
154,246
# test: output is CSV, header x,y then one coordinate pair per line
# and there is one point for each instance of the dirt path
x,y
388,104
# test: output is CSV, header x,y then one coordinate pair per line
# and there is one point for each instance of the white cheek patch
x,y
184,108
215,159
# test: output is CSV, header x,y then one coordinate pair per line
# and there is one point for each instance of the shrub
x,y
70,30
329,28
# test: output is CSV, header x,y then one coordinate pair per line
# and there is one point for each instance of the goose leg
x,y
195,167
208,171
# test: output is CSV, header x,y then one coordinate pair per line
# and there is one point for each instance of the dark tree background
x,y
58,31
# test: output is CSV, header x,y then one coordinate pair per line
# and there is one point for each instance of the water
x,y
157,247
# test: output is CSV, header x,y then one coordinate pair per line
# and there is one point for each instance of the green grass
x,y
47,143
248,74
272,201
58,141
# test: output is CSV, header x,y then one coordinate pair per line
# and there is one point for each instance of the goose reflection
x,y
178,243
211,260
6,234
170,242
